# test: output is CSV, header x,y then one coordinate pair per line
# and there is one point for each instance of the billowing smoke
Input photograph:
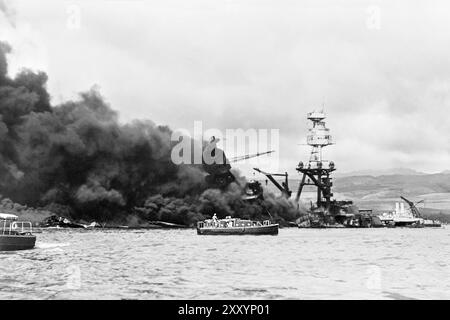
x,y
75,158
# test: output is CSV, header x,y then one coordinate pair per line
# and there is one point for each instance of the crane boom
x,y
249,156
412,205
284,187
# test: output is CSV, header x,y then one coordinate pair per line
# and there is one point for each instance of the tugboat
x,y
15,235
236,226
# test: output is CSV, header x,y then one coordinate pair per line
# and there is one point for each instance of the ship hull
x,y
432,225
253,230
17,242
403,223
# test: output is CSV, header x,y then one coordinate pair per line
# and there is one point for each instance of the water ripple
x,y
179,264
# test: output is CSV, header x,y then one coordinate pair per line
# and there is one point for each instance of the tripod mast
x,y
317,171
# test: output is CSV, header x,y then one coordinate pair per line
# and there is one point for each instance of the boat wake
x,y
49,245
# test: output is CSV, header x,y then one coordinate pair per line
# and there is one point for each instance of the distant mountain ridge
x,y
381,192
385,172
418,184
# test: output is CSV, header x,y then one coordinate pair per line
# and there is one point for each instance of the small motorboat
x,y
14,234
236,226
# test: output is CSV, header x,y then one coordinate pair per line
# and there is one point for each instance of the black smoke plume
x,y
76,159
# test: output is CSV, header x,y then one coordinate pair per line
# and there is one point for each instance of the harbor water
x,y
179,264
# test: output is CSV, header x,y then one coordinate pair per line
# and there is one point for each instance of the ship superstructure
x,y
326,212
317,171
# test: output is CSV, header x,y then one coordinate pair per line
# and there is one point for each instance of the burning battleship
x,y
326,212
219,173
316,173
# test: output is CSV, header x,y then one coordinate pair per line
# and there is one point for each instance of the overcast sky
x,y
380,68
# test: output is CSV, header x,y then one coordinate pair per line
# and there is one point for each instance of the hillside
x,y
376,173
380,193
388,186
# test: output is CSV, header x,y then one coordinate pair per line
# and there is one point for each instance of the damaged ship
x,y
326,212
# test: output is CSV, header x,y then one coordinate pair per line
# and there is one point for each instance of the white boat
x,y
402,217
14,234
236,226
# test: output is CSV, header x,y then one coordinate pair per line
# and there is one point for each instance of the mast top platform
x,y
316,116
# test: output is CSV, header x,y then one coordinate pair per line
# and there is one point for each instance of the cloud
x,y
265,65
8,11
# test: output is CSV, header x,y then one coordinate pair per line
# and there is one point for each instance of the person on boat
x,y
215,220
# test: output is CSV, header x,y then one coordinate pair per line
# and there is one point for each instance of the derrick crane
x,y
415,212
284,187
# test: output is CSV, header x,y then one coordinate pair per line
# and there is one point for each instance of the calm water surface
x,y
179,264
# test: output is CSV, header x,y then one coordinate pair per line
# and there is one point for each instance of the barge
x,y
236,226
